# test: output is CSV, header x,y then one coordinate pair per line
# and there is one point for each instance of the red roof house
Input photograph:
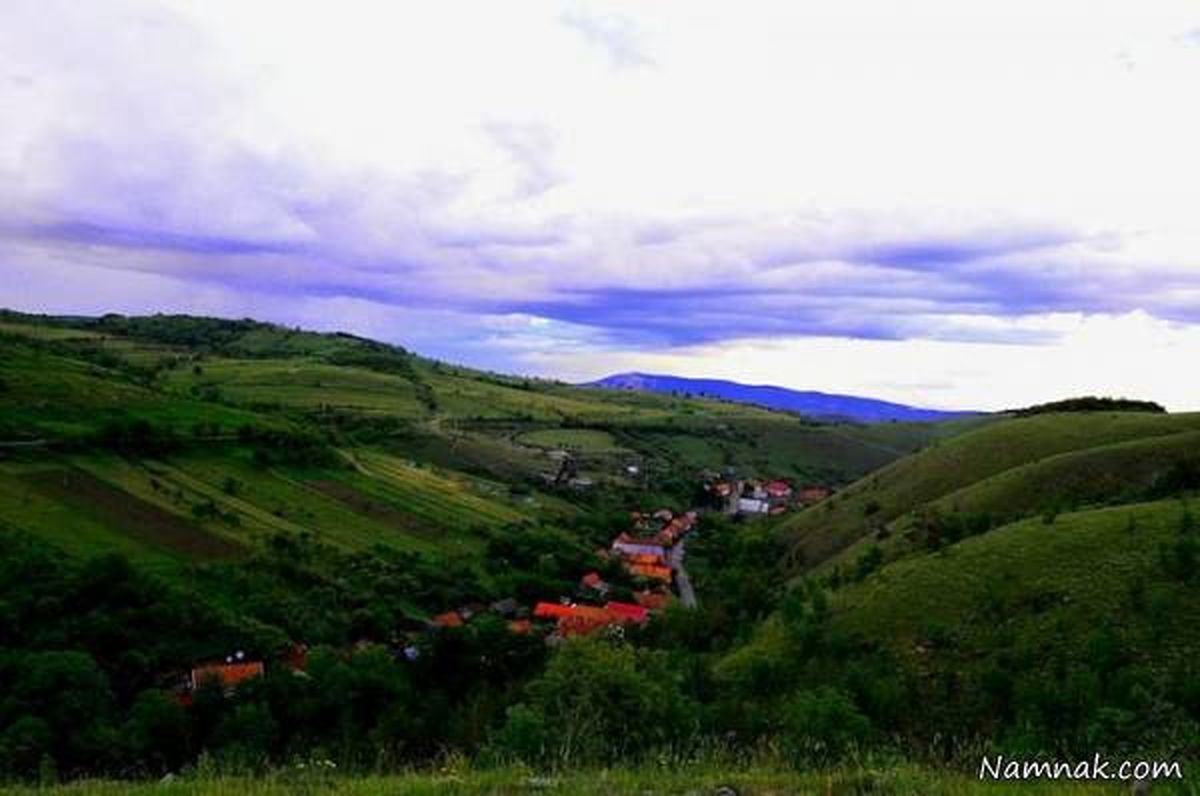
x,y
448,619
813,494
228,675
778,489
626,612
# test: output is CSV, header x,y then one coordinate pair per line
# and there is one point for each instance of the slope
x,y
1083,631
818,534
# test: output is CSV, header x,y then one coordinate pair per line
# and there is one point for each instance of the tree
x,y
600,701
156,732
822,724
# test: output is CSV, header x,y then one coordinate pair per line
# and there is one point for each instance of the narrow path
x,y
682,582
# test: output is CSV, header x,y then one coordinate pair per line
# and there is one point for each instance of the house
x,y
228,675
544,610
576,620
646,558
626,612
809,495
650,572
749,505
448,619
777,490
508,607
632,548
676,529
522,627
593,582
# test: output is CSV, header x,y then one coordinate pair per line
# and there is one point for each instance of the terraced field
x,y
302,383
148,524
583,440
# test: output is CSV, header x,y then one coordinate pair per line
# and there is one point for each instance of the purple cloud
x,y
138,179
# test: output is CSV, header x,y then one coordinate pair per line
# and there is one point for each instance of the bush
x,y
822,724
601,701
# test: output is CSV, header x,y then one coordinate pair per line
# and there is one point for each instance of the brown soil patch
x,y
142,521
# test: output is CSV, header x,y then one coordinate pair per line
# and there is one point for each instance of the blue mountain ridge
x,y
806,402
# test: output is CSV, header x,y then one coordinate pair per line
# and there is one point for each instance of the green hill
x,y
181,440
1082,628
1007,468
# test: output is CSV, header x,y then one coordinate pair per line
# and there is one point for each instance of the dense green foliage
x,y
1091,403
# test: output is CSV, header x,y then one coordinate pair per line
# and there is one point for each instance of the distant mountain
x,y
806,402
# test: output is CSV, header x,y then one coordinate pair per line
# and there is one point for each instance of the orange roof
x,y
646,558
591,613
592,580
228,675
520,626
448,619
651,571
626,611
551,611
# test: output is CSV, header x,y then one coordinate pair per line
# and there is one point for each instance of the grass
x,y
142,521
1029,591
46,394
303,383
957,463
583,440
57,522
1040,587
703,780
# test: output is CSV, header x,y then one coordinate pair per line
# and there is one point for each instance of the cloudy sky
x,y
956,204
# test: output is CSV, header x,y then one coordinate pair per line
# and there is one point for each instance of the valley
x,y
420,559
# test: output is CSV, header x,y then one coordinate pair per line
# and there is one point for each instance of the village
x,y
650,552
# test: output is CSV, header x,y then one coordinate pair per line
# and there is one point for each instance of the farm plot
x,y
143,522
580,439
452,502
377,510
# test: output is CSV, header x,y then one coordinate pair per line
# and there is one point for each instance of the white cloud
x,y
687,172
1130,355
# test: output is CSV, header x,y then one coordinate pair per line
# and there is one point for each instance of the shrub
x,y
823,724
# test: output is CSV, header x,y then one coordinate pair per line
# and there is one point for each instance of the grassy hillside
x,y
62,377
179,440
1084,627
1006,467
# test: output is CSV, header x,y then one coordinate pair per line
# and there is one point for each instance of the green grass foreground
x,y
900,780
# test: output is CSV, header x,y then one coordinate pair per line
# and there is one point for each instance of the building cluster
x,y
648,551
752,497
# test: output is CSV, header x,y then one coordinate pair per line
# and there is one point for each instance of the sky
x,y
952,204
